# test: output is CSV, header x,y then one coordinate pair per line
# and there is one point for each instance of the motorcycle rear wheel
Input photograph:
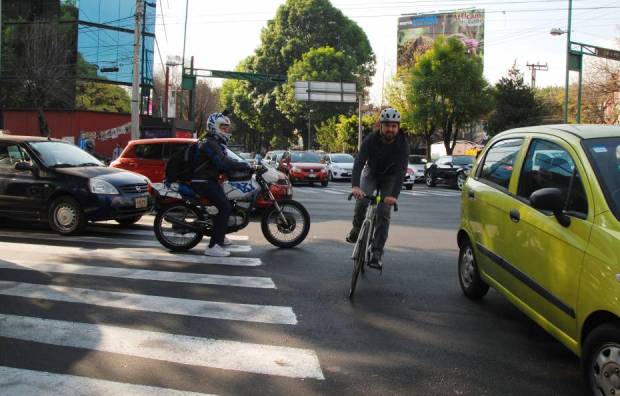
x,y
289,234
172,236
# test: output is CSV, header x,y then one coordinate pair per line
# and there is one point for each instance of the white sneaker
x,y
216,251
227,242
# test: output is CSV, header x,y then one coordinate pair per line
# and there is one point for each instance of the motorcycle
x,y
182,220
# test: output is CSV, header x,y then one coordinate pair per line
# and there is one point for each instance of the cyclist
x,y
381,164
209,161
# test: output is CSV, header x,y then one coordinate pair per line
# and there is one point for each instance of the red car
x,y
148,157
304,167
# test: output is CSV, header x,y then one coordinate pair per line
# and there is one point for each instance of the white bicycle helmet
x,y
389,115
214,122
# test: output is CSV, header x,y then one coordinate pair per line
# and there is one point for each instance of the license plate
x,y
311,175
142,202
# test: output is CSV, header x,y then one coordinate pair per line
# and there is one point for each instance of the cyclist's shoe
x,y
376,261
353,234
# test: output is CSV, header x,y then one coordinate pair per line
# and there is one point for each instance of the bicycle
x,y
362,251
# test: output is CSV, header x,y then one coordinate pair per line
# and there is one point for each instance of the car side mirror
x,y
551,200
24,167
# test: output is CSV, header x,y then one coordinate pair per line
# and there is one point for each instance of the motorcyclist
x,y
381,164
209,161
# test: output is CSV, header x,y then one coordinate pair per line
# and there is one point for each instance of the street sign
x,y
575,61
607,53
324,91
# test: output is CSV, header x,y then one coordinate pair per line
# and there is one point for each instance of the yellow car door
x,y
487,205
547,252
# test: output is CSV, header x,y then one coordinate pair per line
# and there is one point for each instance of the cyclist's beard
x,y
388,137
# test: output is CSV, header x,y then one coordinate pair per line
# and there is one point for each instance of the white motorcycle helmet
x,y
214,124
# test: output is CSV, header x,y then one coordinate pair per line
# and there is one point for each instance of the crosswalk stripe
x,y
329,191
148,303
204,352
306,190
15,381
139,274
52,251
103,240
130,231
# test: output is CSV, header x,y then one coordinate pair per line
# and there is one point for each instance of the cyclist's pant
x,y
214,193
369,185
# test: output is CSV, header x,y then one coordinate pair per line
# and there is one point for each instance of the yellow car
x,y
541,224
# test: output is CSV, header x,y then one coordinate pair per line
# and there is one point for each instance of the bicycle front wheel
x,y
359,260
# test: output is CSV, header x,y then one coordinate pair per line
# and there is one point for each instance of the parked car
x,y
541,224
339,166
273,158
449,169
304,167
56,182
148,157
417,164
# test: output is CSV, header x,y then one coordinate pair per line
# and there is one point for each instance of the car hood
x,y
343,165
116,177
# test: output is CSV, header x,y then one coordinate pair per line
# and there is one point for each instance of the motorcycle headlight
x,y
99,186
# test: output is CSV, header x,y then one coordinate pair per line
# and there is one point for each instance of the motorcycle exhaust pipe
x,y
185,225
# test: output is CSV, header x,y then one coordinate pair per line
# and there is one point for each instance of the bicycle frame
x,y
368,224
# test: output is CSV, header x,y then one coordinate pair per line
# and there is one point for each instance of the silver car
x,y
339,165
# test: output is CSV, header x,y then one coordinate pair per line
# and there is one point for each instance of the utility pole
x,y
568,52
360,98
135,86
166,92
534,67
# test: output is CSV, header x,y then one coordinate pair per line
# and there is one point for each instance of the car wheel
x,y
324,183
409,186
129,221
471,283
461,178
430,182
66,216
600,362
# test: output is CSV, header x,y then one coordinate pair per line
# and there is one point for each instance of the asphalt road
x,y
112,311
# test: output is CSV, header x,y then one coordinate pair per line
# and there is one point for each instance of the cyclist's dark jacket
x,y
387,162
210,160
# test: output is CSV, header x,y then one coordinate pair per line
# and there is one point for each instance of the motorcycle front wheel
x,y
169,229
286,233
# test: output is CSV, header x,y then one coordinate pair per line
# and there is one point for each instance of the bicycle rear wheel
x,y
359,261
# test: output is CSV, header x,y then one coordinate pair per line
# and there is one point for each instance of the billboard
x,y
417,32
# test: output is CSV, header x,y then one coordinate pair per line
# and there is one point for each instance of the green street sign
x,y
188,82
574,62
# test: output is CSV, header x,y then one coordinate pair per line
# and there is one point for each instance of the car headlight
x,y
296,169
99,186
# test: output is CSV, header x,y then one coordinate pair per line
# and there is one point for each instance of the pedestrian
x,y
117,152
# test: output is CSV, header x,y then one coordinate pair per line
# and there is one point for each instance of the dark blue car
x,y
53,181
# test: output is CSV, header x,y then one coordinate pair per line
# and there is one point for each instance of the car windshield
x,y
63,155
342,158
305,157
463,160
605,157
413,160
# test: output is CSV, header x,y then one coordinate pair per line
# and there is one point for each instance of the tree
x,y
98,96
298,27
41,71
515,103
447,91
340,133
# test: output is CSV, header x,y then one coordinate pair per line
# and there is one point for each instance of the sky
x,y
222,33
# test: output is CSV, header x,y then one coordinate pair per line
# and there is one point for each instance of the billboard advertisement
x,y
417,32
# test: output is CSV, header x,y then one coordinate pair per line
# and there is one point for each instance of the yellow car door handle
x,y
515,216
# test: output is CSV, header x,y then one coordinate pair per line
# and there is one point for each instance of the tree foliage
x,y
340,133
306,38
515,103
447,91
98,96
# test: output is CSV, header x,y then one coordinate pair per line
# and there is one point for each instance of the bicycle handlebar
x,y
373,198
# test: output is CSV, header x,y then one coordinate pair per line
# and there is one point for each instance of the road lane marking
x,y
139,274
15,381
197,351
306,190
123,255
99,228
102,240
157,304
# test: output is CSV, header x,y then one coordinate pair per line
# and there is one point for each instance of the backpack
x,y
180,165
